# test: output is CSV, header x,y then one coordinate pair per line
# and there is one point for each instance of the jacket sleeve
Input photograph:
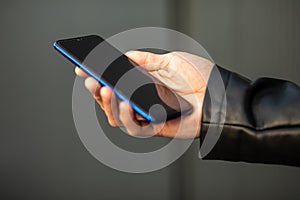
x,y
262,120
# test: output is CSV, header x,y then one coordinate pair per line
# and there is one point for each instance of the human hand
x,y
184,73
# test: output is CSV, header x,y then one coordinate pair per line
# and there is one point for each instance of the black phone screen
x,y
144,96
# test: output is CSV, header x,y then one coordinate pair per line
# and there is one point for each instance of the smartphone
x,y
143,98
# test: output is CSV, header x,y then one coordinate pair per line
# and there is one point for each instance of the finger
x,y
141,120
148,61
115,109
97,96
139,117
80,73
106,96
127,119
92,85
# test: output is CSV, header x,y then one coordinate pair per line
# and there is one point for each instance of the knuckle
x,y
132,132
171,54
150,58
112,123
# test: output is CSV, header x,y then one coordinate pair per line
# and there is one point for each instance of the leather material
x,y
262,122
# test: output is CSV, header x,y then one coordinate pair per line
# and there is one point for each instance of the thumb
x,y
146,60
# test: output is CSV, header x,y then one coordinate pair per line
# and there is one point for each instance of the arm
x,y
262,122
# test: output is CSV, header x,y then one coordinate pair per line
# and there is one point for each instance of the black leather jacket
x,y
262,122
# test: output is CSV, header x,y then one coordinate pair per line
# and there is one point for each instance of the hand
x,y
184,73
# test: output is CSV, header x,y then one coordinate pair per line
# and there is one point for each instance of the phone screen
x,y
143,97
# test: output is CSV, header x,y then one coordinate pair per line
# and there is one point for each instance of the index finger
x,y
80,73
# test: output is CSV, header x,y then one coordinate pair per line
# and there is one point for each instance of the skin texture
x,y
184,73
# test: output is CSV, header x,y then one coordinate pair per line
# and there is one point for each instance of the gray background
x,y
41,156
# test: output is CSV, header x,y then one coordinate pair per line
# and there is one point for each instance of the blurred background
x,y
41,155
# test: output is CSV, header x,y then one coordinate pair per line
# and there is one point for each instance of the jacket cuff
x,y
216,99
224,94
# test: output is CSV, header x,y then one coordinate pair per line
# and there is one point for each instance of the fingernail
x,y
129,52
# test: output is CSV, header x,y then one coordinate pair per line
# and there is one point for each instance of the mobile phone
x,y
143,98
